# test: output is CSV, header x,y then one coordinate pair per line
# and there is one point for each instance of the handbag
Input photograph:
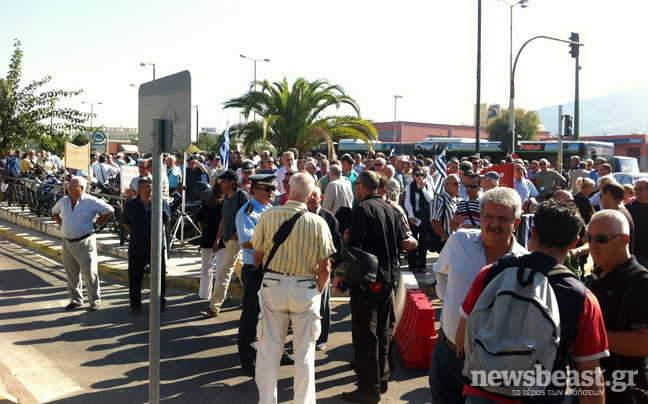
x,y
361,268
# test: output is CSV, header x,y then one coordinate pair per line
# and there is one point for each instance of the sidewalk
x,y
183,266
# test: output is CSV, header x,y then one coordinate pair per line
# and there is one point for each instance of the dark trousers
x,y
249,316
446,384
370,319
417,257
136,264
325,312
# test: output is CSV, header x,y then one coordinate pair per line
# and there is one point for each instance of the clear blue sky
x,y
422,50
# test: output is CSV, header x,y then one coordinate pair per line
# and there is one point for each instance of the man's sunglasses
x,y
472,185
267,189
600,238
418,175
378,164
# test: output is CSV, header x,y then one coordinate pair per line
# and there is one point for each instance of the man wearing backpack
x,y
620,283
563,308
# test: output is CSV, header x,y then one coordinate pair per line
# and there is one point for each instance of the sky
x,y
425,51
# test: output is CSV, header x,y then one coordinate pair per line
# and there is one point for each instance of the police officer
x,y
263,188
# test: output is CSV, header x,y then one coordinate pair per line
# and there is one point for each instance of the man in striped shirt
x,y
291,289
468,209
444,207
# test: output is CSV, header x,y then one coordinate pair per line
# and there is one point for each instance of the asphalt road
x,y
48,354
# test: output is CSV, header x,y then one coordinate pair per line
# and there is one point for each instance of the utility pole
x,y
575,54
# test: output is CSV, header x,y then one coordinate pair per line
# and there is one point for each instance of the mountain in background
x,y
619,114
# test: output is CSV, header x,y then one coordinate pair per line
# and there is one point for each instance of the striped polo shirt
x,y
470,209
309,241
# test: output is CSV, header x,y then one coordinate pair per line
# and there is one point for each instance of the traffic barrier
x,y
416,332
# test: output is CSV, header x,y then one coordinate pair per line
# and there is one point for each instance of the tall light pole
x,y
197,122
255,79
396,97
522,4
152,64
92,104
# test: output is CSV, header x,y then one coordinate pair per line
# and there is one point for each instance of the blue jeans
x,y
446,383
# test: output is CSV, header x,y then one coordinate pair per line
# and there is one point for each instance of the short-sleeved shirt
x,y
231,207
590,341
624,304
138,216
309,241
584,206
210,218
525,189
174,175
79,221
546,182
443,209
246,220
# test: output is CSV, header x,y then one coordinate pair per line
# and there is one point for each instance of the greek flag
x,y
393,150
440,165
225,147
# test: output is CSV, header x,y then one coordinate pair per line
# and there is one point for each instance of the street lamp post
x,y
255,77
153,64
522,4
92,104
197,122
396,97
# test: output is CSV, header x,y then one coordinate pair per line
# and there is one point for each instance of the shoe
x,y
72,306
93,308
136,311
320,347
286,359
383,387
422,271
208,313
352,364
360,397
249,370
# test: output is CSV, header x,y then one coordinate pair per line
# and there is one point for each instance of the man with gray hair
x,y
294,278
619,283
464,255
546,180
76,214
288,160
393,187
339,192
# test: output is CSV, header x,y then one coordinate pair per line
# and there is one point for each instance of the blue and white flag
x,y
225,147
440,165
393,150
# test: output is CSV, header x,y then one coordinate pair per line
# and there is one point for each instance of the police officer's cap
x,y
263,179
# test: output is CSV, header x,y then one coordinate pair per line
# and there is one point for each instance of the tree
x,y
296,116
207,143
526,125
28,116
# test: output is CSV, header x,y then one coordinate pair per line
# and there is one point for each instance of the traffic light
x,y
574,48
517,139
505,143
568,125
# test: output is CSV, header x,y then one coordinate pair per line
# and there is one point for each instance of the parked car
x,y
629,178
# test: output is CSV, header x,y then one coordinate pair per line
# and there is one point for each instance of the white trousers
x,y
284,298
232,255
80,257
207,270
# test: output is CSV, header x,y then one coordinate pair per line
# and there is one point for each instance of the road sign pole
x,y
157,232
560,140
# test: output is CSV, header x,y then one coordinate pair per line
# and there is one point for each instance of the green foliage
x,y
207,143
526,125
295,116
79,140
27,116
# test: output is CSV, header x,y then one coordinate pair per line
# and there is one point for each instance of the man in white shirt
x,y
102,171
76,214
288,161
339,192
464,255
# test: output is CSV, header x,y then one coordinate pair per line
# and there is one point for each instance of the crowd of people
x,y
279,223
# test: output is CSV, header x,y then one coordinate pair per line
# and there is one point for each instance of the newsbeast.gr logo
x,y
532,382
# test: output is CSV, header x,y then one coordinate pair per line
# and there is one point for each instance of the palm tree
x,y
296,117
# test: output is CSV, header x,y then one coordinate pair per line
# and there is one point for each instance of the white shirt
x,y
79,221
103,171
456,268
338,194
428,193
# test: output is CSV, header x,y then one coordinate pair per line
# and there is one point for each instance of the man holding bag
x,y
374,229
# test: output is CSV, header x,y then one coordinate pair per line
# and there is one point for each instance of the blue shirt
x,y
138,216
175,175
13,166
246,221
595,176
525,188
